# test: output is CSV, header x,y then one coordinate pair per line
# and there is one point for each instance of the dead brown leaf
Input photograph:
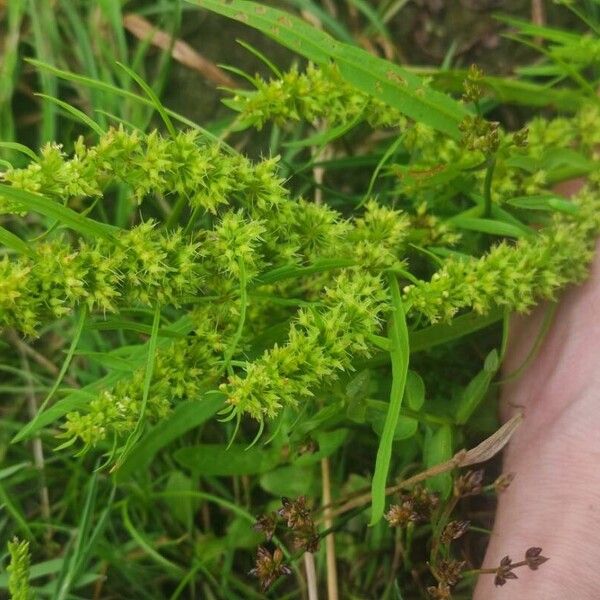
x,y
180,51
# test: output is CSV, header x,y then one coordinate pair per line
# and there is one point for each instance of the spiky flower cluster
x,y
184,369
321,344
315,94
204,173
234,243
142,266
514,276
18,570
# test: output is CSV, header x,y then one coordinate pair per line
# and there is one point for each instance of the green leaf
x,y
415,391
20,148
442,333
219,460
34,424
78,399
290,481
438,449
406,427
98,84
477,388
550,203
181,503
108,360
156,103
185,417
136,434
375,76
328,442
74,112
295,272
8,471
49,208
491,226
324,137
10,240
399,355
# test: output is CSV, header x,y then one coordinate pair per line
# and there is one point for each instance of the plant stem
x,y
332,582
487,187
237,336
311,576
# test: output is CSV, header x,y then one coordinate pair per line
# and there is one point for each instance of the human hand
x,y
554,501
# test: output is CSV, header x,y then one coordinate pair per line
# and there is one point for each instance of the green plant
x,y
207,335
18,570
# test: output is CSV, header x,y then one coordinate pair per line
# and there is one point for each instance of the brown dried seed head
x,y
454,530
502,578
450,570
504,572
295,512
534,558
400,515
469,484
424,502
501,484
506,562
439,592
266,524
269,567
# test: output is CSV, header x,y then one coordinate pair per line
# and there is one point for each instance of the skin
x,y
554,500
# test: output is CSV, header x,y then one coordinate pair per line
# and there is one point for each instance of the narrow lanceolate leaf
x,y
377,77
399,354
492,227
52,209
10,240
477,389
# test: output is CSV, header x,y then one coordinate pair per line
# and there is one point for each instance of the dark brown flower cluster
x,y
453,531
448,573
415,507
300,523
469,484
441,591
505,571
269,567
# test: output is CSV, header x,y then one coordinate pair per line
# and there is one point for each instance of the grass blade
x,y
14,242
150,361
74,112
27,430
399,354
156,103
63,214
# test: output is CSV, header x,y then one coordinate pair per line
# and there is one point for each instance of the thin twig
x,y
311,576
332,582
464,458
538,12
180,50
40,359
